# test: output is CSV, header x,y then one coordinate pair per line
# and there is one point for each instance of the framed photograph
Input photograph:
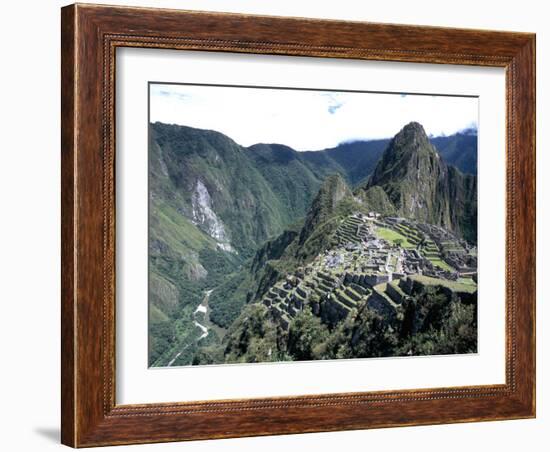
x,y
281,225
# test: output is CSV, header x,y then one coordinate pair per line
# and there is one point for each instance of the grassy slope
x,y
458,286
441,264
392,236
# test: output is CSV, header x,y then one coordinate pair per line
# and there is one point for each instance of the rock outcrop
x,y
421,186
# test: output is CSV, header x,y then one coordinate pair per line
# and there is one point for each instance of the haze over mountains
x,y
214,204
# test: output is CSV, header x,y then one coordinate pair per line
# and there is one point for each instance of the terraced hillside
x,y
365,269
411,285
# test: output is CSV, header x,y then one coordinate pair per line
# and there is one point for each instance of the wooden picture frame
x,y
90,36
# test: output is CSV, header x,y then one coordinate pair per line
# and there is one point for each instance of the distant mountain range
x,y
215,204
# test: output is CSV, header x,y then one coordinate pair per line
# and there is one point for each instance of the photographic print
x,y
301,224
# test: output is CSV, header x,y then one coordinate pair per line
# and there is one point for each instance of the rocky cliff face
x,y
422,186
204,216
376,199
210,180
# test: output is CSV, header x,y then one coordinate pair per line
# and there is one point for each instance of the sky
x,y
306,120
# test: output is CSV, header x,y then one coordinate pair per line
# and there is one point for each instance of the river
x,y
206,326
203,307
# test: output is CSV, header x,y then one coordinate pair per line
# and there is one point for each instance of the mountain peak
x,y
419,184
413,136
414,126
404,150
333,190
335,186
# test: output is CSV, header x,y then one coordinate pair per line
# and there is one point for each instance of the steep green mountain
x,y
354,160
212,204
422,186
358,159
459,150
333,190
308,293
376,199
189,247
235,219
214,179
221,190
295,246
292,178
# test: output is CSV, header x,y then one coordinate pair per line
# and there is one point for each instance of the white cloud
x,y
306,120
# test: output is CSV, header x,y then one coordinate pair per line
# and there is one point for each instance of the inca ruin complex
x,y
377,262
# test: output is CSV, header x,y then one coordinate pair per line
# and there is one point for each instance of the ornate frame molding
x,y
90,37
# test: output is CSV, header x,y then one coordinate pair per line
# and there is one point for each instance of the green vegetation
x,y
467,281
218,265
435,325
238,220
306,332
252,338
168,338
441,264
457,286
394,237
229,298
376,200
431,324
156,316
363,335
161,335
459,150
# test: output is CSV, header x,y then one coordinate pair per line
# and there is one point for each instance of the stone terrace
x,y
364,270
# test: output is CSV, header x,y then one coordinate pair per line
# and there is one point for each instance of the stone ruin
x,y
363,270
